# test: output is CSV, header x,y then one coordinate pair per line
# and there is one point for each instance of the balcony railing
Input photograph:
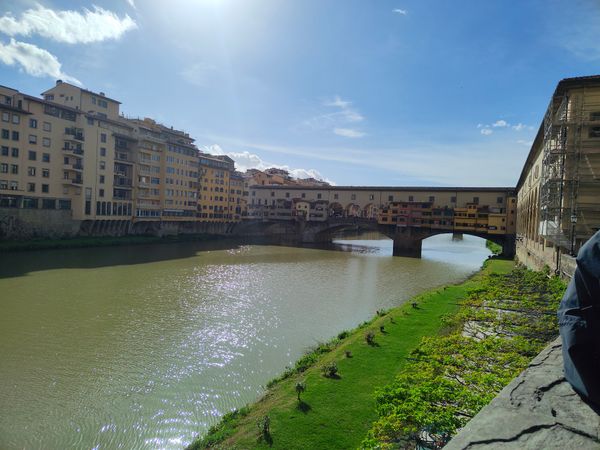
x,y
73,151
76,167
123,182
77,181
74,134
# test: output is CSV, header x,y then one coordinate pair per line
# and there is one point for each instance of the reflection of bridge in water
x,y
405,214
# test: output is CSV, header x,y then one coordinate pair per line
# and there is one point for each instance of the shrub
x,y
330,370
370,338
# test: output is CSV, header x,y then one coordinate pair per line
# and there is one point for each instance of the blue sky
x,y
402,92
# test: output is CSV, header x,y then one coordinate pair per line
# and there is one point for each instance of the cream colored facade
x,y
559,188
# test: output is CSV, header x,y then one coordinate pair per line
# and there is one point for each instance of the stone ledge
x,y
537,410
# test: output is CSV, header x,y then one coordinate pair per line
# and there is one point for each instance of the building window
x,y
14,185
45,188
103,137
32,155
272,193
102,165
499,200
431,199
353,197
476,200
3,168
31,171
46,142
319,196
16,119
46,157
47,126
14,169
101,192
411,198
15,136
30,187
46,173
371,196
5,134
5,116
32,139
452,199
14,152
101,179
102,151
32,123
303,195
4,151
287,195
335,196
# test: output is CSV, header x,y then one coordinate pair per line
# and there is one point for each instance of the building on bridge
x,y
559,187
485,212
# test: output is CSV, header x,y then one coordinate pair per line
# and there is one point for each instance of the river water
x,y
147,346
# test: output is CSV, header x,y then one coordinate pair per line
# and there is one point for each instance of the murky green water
x,y
147,346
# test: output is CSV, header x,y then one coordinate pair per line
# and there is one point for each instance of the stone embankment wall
x,y
36,223
23,224
537,410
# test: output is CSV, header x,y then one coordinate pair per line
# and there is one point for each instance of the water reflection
x,y
147,346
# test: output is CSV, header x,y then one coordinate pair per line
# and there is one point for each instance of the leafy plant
x,y
300,388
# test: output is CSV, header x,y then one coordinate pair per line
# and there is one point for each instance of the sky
x,y
355,92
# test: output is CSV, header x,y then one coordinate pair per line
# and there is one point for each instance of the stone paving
x,y
537,410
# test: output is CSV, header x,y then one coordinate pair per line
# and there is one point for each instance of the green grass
x,y
107,241
493,247
337,413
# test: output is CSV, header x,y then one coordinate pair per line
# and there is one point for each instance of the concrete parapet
x,y
537,410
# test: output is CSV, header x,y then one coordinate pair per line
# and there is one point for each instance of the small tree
x,y
370,338
300,388
264,427
330,370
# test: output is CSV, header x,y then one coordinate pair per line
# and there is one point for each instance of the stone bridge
x,y
407,240
405,214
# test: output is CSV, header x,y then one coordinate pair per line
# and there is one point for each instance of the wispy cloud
x,y
402,12
67,26
486,131
33,60
131,3
431,163
245,160
339,120
348,132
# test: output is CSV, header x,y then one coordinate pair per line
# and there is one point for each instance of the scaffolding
x,y
570,180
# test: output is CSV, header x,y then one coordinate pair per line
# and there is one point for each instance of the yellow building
x,y
214,200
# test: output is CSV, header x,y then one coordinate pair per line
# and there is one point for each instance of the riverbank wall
x,y
18,224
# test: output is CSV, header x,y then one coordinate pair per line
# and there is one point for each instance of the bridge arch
x,y
353,210
336,209
370,211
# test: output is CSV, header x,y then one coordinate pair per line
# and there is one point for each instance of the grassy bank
x,y
106,241
337,412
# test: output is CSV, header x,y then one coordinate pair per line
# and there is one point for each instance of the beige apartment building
x,y
559,187
72,150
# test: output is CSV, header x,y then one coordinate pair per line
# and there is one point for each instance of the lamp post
x,y
573,223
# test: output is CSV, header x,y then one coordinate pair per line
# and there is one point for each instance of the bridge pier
x,y
408,242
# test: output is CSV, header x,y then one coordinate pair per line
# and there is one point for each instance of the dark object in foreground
x,y
579,322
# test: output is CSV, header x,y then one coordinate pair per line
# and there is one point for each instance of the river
x,y
147,346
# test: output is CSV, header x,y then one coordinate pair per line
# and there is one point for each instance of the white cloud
x,y
500,124
346,112
486,131
68,26
33,60
245,160
519,126
131,3
402,12
525,143
348,132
